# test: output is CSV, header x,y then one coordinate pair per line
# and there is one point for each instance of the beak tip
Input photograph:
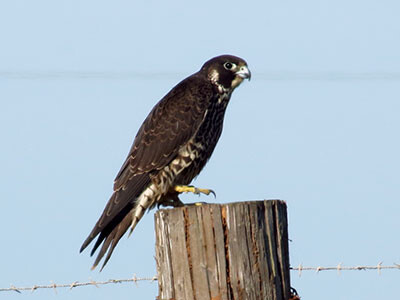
x,y
244,72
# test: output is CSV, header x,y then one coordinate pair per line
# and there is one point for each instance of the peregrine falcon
x,y
171,147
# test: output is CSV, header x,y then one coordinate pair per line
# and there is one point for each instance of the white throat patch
x,y
225,93
214,76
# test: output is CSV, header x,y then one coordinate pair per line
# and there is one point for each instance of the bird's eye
x,y
229,65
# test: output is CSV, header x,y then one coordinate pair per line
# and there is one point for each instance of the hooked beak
x,y
244,73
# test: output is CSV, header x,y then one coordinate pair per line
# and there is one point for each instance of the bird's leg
x,y
192,189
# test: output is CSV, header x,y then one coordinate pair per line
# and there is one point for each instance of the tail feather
x,y
103,250
117,217
107,230
112,239
110,235
121,229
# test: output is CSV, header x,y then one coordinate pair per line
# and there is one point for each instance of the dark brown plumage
x,y
171,147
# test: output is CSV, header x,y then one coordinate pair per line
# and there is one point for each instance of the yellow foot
x,y
192,189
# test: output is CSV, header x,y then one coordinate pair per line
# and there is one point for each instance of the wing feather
x,y
168,127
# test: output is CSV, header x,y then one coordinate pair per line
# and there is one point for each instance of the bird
x,y
170,149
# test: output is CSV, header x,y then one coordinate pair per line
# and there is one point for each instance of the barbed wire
x,y
75,284
340,268
379,267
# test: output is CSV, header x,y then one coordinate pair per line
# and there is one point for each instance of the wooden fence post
x,y
223,251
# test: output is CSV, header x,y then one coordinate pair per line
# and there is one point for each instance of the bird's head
x,y
227,71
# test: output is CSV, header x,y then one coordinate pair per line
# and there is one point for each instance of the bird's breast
x,y
167,177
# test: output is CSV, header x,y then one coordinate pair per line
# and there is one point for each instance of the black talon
x,y
212,192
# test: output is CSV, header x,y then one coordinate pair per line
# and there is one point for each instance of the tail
x,y
111,233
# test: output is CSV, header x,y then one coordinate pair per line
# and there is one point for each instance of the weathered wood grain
x,y
234,251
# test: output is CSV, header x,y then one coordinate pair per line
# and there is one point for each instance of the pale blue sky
x,y
317,126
